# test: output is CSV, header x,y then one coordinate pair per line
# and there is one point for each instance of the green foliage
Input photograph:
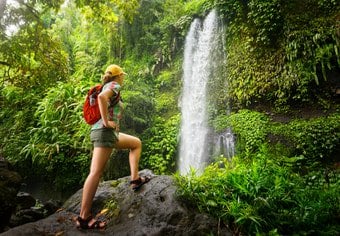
x,y
87,42
158,31
164,102
309,53
143,34
33,63
59,141
314,139
161,147
267,21
167,93
112,208
250,77
29,56
197,7
47,138
233,11
138,96
250,128
17,110
278,51
220,123
108,11
160,27
264,195
166,80
138,109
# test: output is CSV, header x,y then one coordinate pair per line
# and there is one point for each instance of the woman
x,y
105,136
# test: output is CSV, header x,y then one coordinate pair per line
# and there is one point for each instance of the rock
x,y
52,206
10,182
154,210
27,210
26,215
25,200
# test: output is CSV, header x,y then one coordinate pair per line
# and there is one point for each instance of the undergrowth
x,y
264,195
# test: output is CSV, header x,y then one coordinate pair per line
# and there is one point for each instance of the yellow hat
x,y
115,70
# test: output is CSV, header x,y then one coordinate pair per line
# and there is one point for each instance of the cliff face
x,y
154,210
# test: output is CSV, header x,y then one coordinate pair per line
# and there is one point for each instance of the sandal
x,y
84,224
138,183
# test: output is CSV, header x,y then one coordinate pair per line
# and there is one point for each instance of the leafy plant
x,y
195,7
17,110
161,147
112,208
250,128
59,142
272,56
314,139
266,19
263,195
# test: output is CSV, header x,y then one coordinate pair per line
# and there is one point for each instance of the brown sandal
x,y
138,183
84,224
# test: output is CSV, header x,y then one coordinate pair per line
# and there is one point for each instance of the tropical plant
x,y
264,195
17,110
59,142
161,147
251,129
277,52
316,140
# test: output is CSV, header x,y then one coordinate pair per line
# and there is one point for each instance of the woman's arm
x,y
103,102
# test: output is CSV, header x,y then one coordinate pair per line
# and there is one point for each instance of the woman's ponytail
x,y
108,77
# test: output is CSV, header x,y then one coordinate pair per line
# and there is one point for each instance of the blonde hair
x,y
108,77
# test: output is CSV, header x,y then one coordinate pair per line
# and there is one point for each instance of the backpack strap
x,y
116,98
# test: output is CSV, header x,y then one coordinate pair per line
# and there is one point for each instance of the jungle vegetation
x,y
283,87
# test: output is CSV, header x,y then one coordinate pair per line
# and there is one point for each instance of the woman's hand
x,y
113,125
103,101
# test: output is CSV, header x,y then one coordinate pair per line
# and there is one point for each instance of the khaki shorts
x,y
104,137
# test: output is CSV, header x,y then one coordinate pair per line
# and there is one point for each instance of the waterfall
x,y
225,144
198,68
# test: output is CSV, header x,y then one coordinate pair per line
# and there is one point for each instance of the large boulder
x,y
154,210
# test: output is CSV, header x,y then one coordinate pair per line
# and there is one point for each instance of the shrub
x,y
314,139
59,145
264,195
250,128
161,148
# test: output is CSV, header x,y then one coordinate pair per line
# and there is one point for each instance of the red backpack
x,y
91,110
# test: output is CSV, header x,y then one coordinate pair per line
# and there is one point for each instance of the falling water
x,y
225,144
198,66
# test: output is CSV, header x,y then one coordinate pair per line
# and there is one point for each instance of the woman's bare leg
x,y
99,159
135,145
